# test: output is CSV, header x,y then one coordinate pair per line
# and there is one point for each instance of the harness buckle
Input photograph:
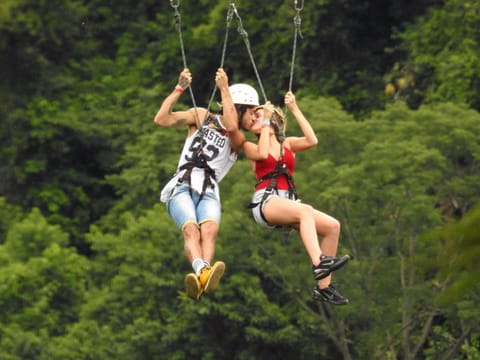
x,y
269,190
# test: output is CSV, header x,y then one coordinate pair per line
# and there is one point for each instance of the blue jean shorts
x,y
185,208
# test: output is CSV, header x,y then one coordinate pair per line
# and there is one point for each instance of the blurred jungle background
x,y
91,266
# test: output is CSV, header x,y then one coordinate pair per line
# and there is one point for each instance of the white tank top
x,y
217,151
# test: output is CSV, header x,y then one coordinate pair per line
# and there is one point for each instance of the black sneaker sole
x,y
317,295
343,260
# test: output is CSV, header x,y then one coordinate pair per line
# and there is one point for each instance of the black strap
x,y
280,169
198,161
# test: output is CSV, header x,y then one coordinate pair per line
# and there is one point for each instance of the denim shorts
x,y
185,208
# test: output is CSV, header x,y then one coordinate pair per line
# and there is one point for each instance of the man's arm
x,y
230,116
166,116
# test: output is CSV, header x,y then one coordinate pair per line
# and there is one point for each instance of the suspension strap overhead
x,y
244,35
224,50
175,4
198,159
297,21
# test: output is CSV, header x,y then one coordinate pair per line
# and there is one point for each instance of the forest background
x,y
91,267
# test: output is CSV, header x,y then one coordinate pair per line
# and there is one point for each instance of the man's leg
x,y
209,214
181,208
192,241
208,238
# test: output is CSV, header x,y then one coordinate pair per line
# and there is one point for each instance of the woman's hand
x,y
290,101
267,110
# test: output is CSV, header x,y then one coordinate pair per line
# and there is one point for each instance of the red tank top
x,y
264,167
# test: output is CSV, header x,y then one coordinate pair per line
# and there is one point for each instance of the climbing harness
x,y
199,161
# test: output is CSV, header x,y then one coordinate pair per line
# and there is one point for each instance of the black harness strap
x,y
280,169
198,161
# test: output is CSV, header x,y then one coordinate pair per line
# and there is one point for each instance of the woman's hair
x,y
279,122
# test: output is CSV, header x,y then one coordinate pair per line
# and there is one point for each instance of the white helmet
x,y
244,94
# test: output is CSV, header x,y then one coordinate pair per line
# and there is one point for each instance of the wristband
x,y
179,89
265,122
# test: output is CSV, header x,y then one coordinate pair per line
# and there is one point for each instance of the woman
x,y
275,202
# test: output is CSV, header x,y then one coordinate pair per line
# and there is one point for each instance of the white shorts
x,y
257,211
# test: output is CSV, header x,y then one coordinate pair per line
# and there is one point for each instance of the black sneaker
x,y
329,294
327,265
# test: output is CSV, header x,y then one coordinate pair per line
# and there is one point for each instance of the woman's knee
x,y
334,226
307,211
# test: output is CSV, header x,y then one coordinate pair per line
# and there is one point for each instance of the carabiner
x,y
298,8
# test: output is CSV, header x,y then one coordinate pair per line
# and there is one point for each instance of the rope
x,y
244,35
222,60
297,20
175,5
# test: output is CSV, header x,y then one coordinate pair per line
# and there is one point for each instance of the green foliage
x,y
83,164
8,214
461,269
443,56
38,38
32,236
43,284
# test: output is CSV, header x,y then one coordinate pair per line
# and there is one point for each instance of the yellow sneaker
x,y
211,275
192,286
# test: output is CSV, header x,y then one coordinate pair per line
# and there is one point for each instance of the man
x,y
192,195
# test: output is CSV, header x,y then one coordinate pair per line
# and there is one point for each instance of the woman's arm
x,y
309,139
260,151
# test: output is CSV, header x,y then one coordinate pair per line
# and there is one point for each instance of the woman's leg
x,y
329,228
282,211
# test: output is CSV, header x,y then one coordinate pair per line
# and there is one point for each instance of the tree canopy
x,y
92,267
